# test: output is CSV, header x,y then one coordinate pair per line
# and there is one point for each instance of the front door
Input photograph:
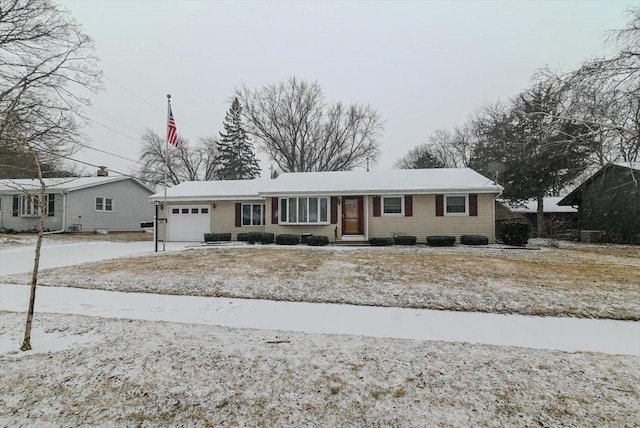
x,y
352,216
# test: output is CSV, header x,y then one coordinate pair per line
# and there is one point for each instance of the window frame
x,y
384,214
103,205
284,213
263,211
466,205
31,202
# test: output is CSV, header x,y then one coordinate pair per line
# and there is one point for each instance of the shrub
x,y
267,238
441,241
217,237
512,233
474,240
381,242
287,239
405,240
317,241
242,237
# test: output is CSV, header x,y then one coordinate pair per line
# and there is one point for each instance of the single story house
x,y
557,219
608,203
342,205
116,203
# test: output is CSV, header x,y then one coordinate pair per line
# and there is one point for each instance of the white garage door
x,y
188,223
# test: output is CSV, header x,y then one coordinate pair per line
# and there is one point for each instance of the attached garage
x,y
188,223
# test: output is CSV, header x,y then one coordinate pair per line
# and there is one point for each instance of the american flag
x,y
172,132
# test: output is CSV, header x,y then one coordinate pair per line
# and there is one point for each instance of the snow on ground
x,y
91,371
549,281
137,373
17,259
567,334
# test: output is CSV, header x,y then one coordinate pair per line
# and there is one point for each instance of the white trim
x,y
466,205
400,214
307,223
263,214
104,204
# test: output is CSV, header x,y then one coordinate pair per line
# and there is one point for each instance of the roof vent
x,y
102,172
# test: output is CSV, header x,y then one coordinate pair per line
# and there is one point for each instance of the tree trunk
x,y
42,205
542,233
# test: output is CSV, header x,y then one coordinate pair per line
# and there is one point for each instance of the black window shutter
x,y
51,205
16,204
238,214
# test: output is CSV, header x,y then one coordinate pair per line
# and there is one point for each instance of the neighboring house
x,y
344,206
115,203
609,202
558,220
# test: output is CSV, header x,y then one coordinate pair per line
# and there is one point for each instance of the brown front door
x,y
352,215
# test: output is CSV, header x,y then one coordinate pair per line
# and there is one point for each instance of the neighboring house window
x,y
29,205
253,214
104,204
456,205
392,206
313,210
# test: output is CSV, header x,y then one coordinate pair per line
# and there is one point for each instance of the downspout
x,y
64,216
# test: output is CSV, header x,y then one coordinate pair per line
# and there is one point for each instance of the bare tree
x,y
418,158
300,132
45,62
184,163
604,94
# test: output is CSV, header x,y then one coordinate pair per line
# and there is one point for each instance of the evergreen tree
x,y
236,158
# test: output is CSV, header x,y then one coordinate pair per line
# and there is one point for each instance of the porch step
x,y
351,243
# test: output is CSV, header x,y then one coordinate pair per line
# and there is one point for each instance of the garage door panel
x,y
188,223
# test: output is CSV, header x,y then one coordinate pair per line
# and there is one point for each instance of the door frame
x,y
361,217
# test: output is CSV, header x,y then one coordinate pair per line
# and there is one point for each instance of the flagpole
x,y
166,168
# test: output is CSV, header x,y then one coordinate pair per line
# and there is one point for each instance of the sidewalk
x,y
565,334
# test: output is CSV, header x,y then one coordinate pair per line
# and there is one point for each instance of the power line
x,y
148,103
131,93
100,166
109,153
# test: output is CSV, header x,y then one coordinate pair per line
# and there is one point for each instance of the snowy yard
x,y
575,280
136,373
92,371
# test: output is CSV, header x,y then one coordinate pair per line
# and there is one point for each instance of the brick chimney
x,y
102,172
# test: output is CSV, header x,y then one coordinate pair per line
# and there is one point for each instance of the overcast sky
x,y
422,65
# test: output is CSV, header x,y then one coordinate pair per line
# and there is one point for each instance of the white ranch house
x,y
344,206
116,203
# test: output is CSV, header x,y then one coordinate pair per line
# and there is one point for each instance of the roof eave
x,y
382,192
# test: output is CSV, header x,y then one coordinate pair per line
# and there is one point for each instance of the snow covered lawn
x,y
576,280
98,372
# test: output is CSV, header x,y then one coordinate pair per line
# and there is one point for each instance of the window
x,y
392,205
253,214
194,210
175,211
307,210
104,204
29,205
456,205
185,210
204,210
